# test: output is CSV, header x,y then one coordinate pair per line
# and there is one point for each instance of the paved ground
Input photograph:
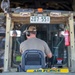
x,y
38,73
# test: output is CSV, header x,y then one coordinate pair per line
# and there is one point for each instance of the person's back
x,y
34,43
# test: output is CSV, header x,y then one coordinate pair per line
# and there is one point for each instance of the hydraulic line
x,y
56,50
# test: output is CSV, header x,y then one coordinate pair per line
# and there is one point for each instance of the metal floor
x,y
35,73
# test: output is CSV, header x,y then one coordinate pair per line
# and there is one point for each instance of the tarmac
x,y
35,73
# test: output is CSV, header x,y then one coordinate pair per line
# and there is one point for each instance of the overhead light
x,y
55,14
